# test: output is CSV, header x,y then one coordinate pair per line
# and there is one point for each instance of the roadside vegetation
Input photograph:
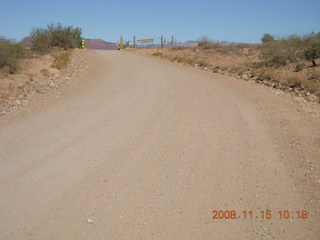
x,y
290,63
52,38
10,53
292,49
55,36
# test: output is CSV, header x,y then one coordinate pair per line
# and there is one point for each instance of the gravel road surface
x,y
150,149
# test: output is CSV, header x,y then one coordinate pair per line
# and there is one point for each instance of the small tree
x,y
41,40
267,38
56,36
312,45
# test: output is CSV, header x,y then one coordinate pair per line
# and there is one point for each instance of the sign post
x,y
121,43
84,44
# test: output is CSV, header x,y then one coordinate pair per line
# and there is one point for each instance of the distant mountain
x,y
187,44
168,45
27,41
99,44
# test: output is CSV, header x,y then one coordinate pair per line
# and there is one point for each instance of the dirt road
x,y
149,149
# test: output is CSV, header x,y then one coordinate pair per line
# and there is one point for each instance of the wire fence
x,y
155,42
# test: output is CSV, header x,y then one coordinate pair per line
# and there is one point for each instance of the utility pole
x,y
172,40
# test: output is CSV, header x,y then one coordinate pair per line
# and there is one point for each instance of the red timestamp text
x,y
264,214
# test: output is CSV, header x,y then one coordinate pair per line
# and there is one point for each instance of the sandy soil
x,y
37,78
32,70
146,149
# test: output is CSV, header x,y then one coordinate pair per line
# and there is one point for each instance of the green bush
x,y
41,40
274,54
55,36
267,38
312,47
10,52
292,49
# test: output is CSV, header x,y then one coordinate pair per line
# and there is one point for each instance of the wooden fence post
x,y
162,41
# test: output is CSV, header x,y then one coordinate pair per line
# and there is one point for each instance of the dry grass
x,y
157,54
266,74
61,60
45,72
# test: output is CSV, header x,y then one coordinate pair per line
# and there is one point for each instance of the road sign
x,y
146,41
121,44
84,44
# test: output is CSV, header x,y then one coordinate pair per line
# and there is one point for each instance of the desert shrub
x,y
312,47
314,76
299,67
278,53
312,87
41,40
177,59
256,65
294,82
292,49
190,61
267,38
274,54
157,54
253,72
55,36
10,52
239,69
266,74
207,43
65,37
202,63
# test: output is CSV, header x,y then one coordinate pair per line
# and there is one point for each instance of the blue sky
x,y
230,20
